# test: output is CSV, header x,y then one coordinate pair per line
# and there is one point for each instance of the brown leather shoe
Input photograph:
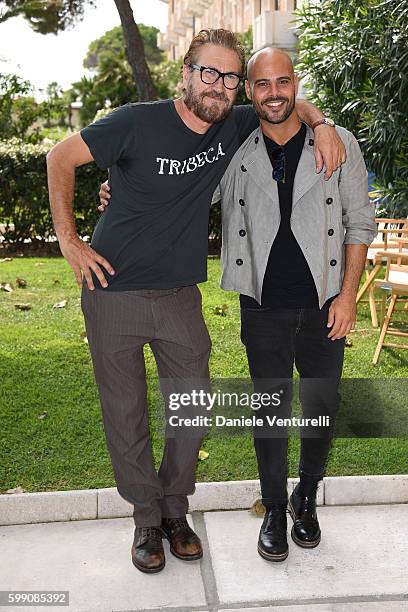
x,y
147,550
184,543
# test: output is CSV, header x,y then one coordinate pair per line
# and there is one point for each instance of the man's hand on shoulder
x,y
104,196
329,150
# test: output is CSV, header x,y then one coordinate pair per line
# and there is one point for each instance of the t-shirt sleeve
x,y
109,139
246,120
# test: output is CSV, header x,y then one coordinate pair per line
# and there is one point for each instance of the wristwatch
x,y
325,120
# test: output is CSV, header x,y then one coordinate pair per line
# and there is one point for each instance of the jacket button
x,y
243,169
256,140
331,232
333,262
242,232
242,202
239,262
329,200
311,142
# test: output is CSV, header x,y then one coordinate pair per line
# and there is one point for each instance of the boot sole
x,y
182,557
147,570
311,544
270,557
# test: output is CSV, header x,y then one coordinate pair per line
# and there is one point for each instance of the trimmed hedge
x,y
24,204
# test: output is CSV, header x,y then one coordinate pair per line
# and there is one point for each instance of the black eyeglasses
x,y
209,76
278,164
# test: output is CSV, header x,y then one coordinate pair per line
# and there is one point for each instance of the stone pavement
x,y
361,565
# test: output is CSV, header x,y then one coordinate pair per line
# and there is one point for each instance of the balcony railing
x,y
275,28
187,20
162,41
179,29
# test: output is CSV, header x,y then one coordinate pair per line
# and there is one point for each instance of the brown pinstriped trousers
x,y
118,325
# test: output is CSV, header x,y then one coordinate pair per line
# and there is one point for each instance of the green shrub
x,y
355,56
24,205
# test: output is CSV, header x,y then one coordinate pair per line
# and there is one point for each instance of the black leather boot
x,y
305,531
147,550
272,541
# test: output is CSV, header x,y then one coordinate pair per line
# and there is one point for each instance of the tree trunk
x,y
135,52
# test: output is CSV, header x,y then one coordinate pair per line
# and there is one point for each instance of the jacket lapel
x,y
259,168
257,163
306,175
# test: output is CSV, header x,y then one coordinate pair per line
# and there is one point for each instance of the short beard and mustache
x,y
209,114
262,114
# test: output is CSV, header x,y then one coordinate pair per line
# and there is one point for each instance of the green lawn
x,y
45,367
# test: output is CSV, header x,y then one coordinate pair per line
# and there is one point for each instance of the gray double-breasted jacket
x,y
326,215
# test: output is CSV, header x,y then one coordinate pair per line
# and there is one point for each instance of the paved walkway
x,y
360,565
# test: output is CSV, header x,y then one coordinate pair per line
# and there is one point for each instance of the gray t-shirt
x,y
162,176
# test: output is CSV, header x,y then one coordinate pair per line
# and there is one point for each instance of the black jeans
x,y
275,339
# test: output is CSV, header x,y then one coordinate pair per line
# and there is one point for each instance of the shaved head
x,y
272,85
269,55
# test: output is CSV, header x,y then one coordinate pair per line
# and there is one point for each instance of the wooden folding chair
x,y
396,281
389,231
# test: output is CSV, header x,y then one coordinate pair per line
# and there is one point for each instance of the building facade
x,y
272,22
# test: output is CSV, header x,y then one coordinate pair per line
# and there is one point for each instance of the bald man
x,y
294,247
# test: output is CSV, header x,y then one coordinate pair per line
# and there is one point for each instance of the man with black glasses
x,y
294,247
148,252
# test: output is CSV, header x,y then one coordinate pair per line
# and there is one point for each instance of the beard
x,y
210,114
273,117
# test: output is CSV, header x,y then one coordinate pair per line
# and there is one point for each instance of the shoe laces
x,y
177,522
151,532
275,514
307,510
